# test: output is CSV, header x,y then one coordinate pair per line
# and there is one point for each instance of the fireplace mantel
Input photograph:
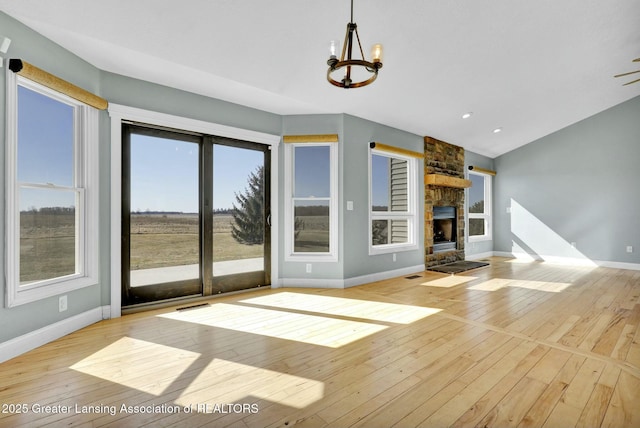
x,y
446,181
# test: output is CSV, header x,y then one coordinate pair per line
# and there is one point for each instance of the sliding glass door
x,y
195,215
240,243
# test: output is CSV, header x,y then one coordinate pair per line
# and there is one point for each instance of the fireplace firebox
x,y
444,229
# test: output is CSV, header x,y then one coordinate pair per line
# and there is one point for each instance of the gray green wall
x,y
580,184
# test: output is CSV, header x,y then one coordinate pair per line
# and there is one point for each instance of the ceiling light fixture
x,y
467,115
497,130
335,64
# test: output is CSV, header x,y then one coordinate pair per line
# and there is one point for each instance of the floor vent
x,y
413,277
186,308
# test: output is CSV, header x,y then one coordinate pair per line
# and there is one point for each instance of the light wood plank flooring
x,y
512,344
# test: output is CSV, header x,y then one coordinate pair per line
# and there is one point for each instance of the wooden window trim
x,y
314,138
47,79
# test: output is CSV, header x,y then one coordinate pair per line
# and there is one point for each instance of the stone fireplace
x,y
444,202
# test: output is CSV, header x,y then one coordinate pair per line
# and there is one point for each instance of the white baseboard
x,y
479,256
348,282
311,283
19,345
106,312
619,265
379,276
570,261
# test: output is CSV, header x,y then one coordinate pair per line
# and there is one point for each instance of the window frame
x,y
487,215
85,186
411,215
289,218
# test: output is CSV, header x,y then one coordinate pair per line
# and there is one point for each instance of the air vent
x,y
186,308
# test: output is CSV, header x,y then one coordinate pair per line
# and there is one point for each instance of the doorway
x,y
195,215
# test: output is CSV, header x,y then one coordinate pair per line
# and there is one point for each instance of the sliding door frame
x,y
120,113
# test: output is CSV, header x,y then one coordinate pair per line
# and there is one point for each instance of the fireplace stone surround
x,y
444,187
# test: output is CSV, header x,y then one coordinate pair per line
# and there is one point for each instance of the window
x,y
51,192
311,201
393,202
479,203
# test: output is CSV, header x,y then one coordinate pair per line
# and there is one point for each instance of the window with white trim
x,y
52,184
479,207
311,212
393,202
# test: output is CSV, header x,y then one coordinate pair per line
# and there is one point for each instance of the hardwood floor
x,y
512,344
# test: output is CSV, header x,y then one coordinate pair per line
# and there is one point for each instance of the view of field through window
x,y
47,197
311,198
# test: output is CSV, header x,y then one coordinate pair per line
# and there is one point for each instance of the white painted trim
x,y
312,283
115,215
334,213
86,186
488,214
411,215
478,256
106,312
379,276
569,261
118,113
350,282
19,345
187,124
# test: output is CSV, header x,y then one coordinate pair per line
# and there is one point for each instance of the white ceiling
x,y
530,67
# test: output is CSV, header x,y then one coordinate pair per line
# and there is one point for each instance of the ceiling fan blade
x,y
626,74
636,60
633,81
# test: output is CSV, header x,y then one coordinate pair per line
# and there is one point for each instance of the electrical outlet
x,y
629,249
62,303
573,245
308,267
395,257
508,210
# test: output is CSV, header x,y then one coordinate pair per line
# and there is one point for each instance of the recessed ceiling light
x,y
467,115
495,131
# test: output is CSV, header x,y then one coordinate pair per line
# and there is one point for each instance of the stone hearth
x,y
445,162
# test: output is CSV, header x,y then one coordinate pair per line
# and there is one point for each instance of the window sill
x,y
44,291
310,257
393,248
480,238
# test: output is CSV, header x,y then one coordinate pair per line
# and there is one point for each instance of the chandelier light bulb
x,y
334,47
376,53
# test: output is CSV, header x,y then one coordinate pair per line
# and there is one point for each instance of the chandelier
x,y
347,49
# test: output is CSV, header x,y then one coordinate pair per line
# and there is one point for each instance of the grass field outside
x,y
47,242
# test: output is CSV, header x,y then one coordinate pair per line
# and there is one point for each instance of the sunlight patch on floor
x,y
312,329
340,306
224,381
449,281
499,283
138,364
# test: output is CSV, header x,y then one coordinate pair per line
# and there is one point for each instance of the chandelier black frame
x,y
347,48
